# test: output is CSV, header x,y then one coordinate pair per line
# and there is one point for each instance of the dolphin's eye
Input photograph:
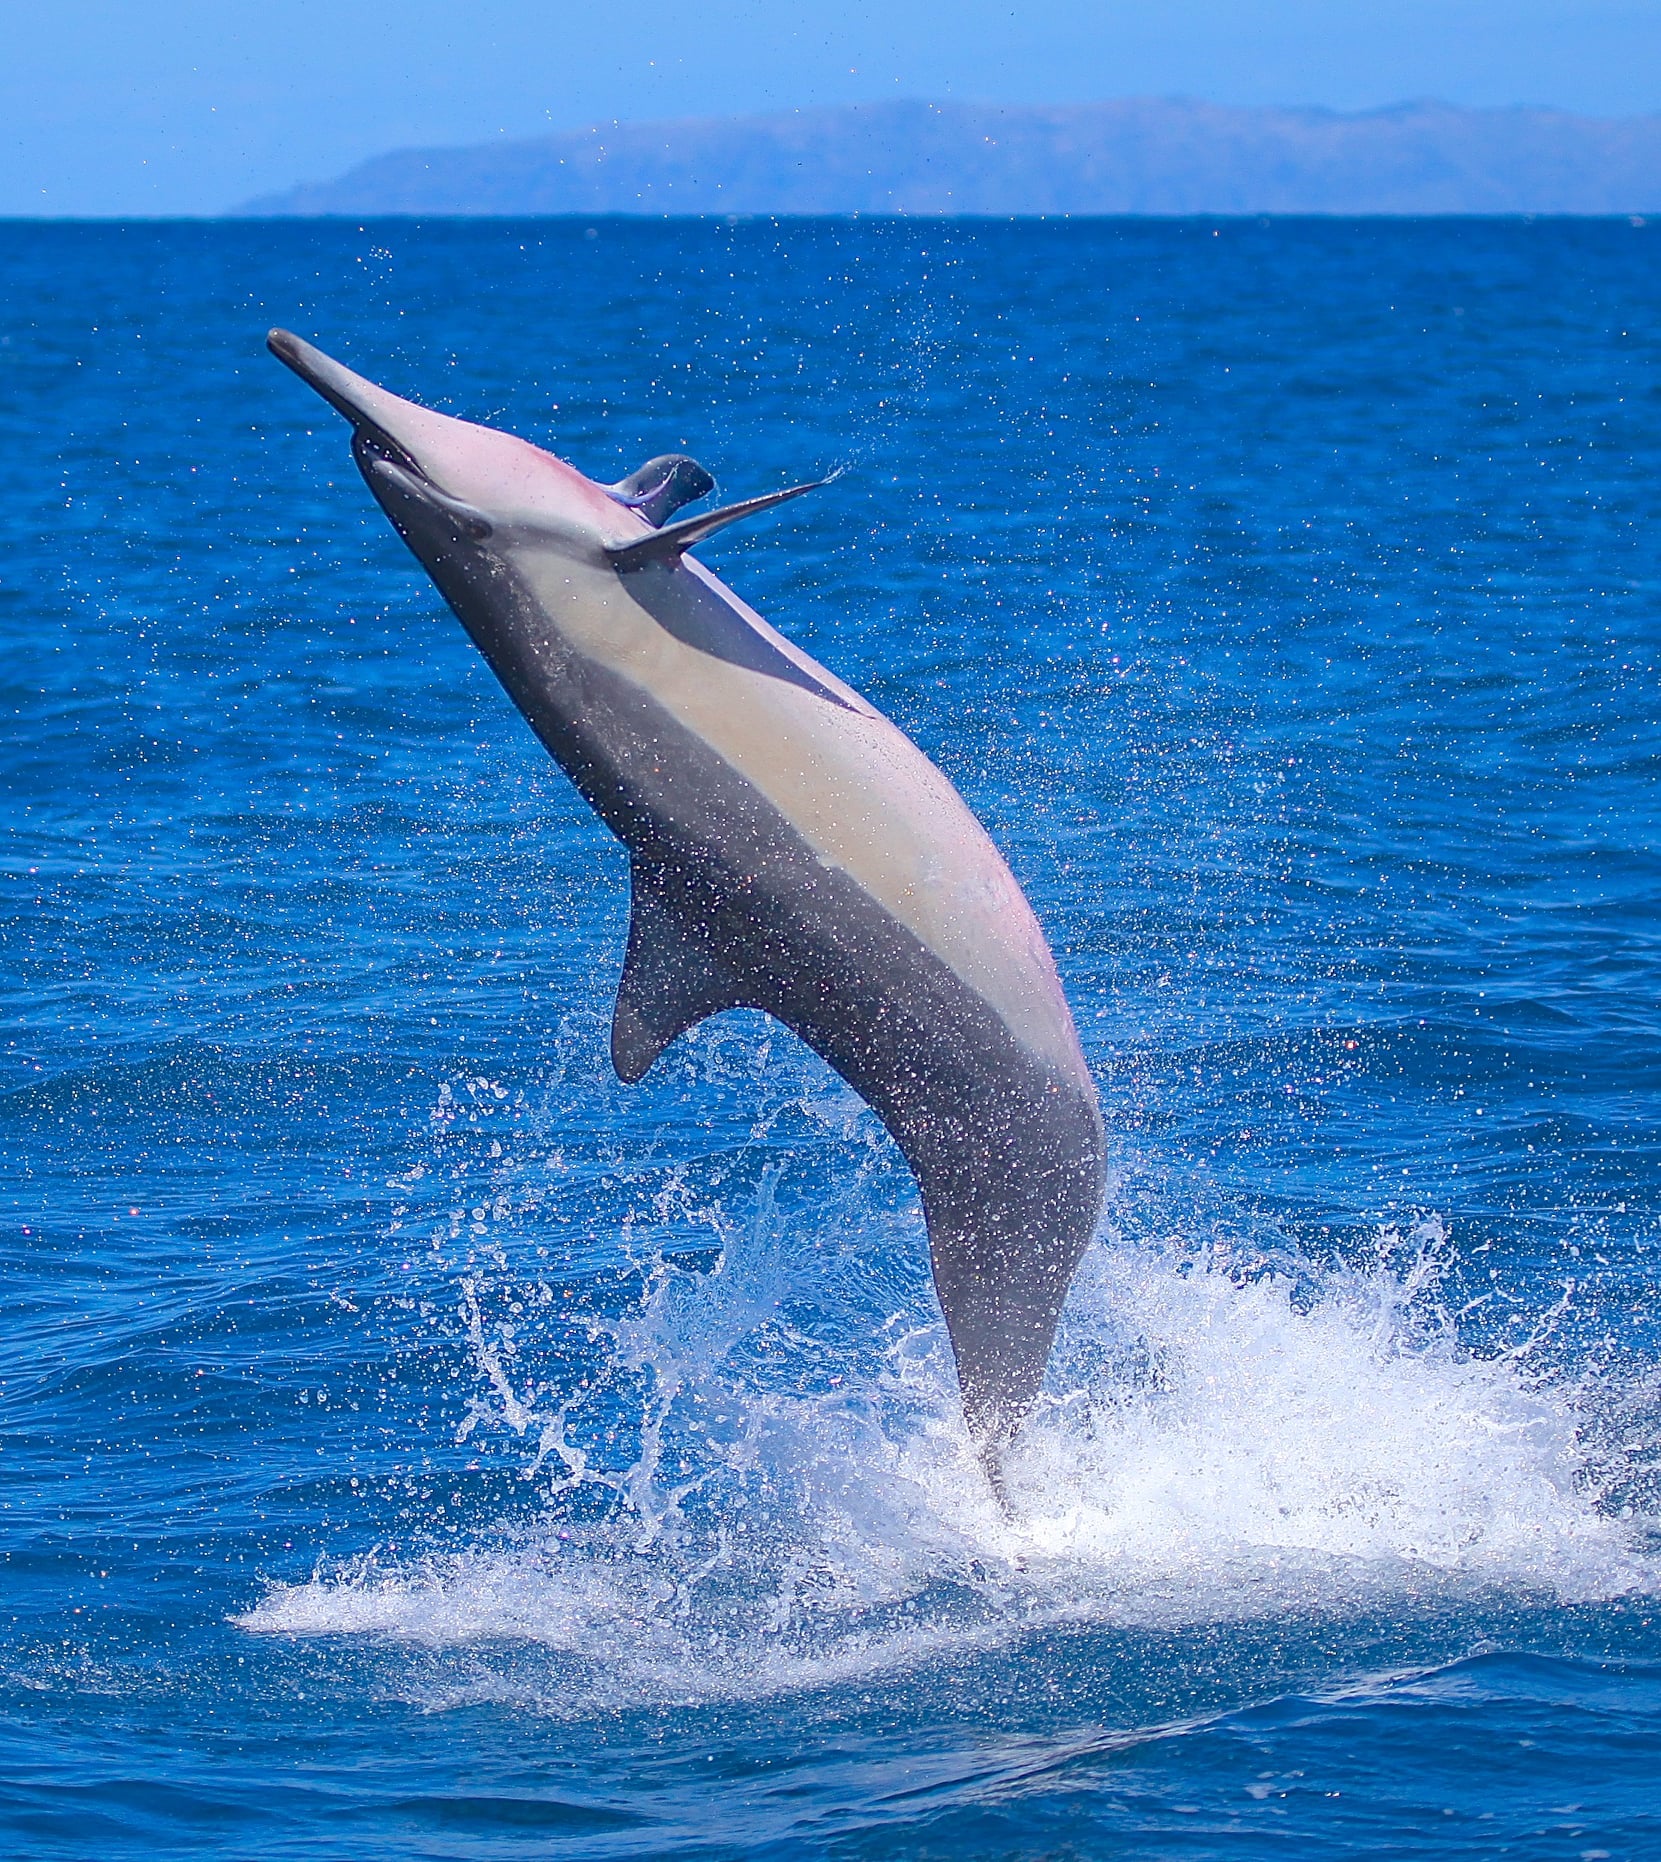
x,y
662,485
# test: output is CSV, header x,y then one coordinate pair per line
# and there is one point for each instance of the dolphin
x,y
789,850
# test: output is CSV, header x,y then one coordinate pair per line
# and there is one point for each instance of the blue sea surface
x,y
415,1444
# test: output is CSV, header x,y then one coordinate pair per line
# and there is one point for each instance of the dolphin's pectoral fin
x,y
666,545
672,977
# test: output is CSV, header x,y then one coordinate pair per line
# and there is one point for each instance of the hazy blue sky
x,y
186,106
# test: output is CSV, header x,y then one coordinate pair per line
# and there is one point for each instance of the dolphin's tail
x,y
1004,1244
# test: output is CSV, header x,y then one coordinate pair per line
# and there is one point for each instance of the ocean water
x,y
414,1444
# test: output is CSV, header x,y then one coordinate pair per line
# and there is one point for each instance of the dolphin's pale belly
x,y
855,790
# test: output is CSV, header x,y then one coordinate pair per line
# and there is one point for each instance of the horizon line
x,y
645,217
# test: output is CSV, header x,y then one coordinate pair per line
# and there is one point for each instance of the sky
x,y
124,107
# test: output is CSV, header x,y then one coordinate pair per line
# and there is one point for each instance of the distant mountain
x,y
1138,155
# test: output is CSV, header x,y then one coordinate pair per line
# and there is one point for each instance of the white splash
x,y
1260,1432
1214,1445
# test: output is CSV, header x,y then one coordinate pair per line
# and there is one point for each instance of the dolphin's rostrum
x,y
790,850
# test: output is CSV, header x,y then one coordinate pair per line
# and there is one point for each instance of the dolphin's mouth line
x,y
371,443
383,464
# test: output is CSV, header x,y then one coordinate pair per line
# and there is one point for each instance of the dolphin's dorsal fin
x,y
672,977
666,545
662,485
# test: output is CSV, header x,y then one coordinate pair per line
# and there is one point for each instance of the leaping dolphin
x,y
789,850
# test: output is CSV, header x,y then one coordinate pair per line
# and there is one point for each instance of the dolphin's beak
x,y
390,437
377,415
